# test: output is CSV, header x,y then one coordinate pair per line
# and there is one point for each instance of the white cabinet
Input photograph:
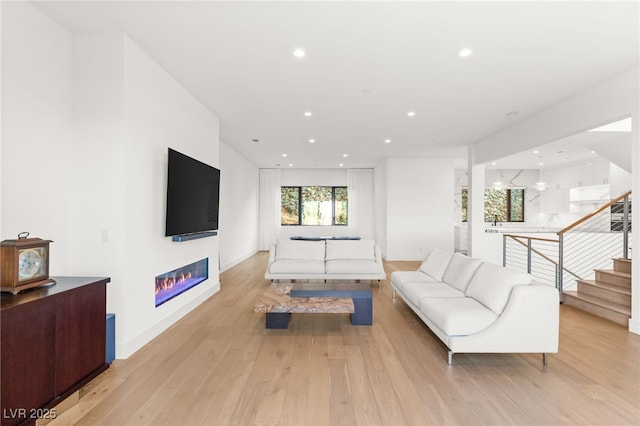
x,y
556,198
592,174
565,194
556,178
586,199
621,181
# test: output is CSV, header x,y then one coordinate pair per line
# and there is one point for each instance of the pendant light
x,y
541,186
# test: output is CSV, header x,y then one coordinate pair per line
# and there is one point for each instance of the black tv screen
x,y
193,195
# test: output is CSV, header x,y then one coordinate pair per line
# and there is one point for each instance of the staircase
x,y
608,295
578,262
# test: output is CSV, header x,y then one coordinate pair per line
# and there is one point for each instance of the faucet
x,y
495,220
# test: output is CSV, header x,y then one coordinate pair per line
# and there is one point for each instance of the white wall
x,y
36,150
419,207
314,177
239,208
634,322
99,168
159,113
101,115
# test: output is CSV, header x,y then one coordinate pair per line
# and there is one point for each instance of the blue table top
x,y
310,238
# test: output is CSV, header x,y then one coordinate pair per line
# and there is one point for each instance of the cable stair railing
x,y
589,262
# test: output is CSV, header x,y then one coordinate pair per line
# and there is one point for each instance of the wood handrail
x,y
515,238
590,215
531,238
547,258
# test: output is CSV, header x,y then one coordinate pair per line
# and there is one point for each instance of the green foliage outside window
x,y
289,205
506,205
341,205
314,205
516,205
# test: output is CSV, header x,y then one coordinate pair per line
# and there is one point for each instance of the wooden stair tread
x,y
622,259
599,302
615,273
609,287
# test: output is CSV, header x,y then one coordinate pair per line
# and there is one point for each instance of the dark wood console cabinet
x,y
52,342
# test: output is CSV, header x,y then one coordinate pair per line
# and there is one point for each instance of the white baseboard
x,y
634,325
233,263
126,349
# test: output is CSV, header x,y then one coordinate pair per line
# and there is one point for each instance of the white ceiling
x,y
367,64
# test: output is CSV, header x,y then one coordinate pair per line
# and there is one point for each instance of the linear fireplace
x,y
171,284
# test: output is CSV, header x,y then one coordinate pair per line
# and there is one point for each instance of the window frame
x,y
300,202
509,210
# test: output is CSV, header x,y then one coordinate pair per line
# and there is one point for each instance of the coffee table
x,y
281,300
358,292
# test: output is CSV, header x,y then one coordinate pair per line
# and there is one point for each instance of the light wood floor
x,y
220,366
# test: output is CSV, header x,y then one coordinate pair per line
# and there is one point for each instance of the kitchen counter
x,y
519,230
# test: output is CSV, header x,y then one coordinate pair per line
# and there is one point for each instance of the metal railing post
x,y
625,228
504,250
528,255
560,266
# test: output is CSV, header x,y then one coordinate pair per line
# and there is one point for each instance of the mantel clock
x,y
24,263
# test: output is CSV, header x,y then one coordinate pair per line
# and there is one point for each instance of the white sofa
x,y
475,306
325,260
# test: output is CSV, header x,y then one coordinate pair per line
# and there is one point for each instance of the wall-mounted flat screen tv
x,y
193,195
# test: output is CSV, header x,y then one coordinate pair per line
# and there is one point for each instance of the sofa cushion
x,y
400,278
353,267
351,249
418,291
460,270
457,316
296,266
436,263
491,285
300,250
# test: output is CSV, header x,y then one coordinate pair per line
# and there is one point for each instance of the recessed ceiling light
x,y
494,163
284,155
593,152
465,52
540,164
411,113
299,53
312,141
290,165
345,155
341,165
536,152
307,113
387,141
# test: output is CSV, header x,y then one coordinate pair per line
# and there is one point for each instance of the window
x,y
314,205
505,205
